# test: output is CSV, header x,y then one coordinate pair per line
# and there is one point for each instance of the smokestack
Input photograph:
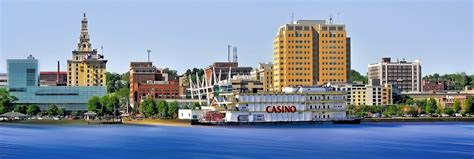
x,y
235,58
57,75
228,53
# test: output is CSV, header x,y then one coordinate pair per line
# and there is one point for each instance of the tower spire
x,y
84,39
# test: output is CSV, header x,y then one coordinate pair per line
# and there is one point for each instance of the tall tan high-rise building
x,y
87,67
311,52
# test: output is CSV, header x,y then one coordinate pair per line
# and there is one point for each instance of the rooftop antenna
x,y
235,59
102,49
292,18
148,54
330,18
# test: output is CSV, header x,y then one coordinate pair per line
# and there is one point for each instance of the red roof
x,y
52,72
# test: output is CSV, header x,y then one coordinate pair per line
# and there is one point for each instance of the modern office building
x,y
433,85
223,68
3,80
311,52
148,81
87,67
23,83
264,73
403,75
370,94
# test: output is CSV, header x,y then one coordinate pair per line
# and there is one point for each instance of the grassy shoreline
x,y
178,122
162,122
421,119
48,122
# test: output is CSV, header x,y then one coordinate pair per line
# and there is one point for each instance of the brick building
x,y
148,81
433,85
53,78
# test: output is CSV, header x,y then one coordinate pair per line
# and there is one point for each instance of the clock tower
x,y
87,67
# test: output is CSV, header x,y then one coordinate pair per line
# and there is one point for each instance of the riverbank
x,y
48,122
421,119
62,122
166,122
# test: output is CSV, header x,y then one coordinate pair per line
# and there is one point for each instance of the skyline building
x,y
87,67
311,52
148,81
23,77
372,94
405,76
264,73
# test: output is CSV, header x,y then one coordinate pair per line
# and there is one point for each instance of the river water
x,y
368,140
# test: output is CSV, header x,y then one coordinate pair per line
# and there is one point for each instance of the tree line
x,y
454,81
105,105
162,109
415,108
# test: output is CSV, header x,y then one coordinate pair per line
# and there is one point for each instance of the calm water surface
x,y
368,140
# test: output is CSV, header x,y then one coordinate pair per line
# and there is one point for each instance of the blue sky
x,y
186,34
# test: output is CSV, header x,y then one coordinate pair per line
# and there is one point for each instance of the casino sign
x,y
280,109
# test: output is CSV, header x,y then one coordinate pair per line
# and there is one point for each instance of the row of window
x,y
332,58
333,68
333,35
332,41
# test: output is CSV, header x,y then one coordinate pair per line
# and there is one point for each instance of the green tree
x,y
94,104
431,106
456,106
123,92
467,106
455,81
148,107
173,109
392,110
75,113
20,109
192,73
356,76
196,106
114,82
421,104
62,111
115,103
105,105
53,110
6,101
172,74
33,110
449,111
126,79
163,108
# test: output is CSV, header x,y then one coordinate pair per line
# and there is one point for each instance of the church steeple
x,y
84,39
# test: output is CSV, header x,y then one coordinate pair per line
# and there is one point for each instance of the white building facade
x,y
403,75
290,106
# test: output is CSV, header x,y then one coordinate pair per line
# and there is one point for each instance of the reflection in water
x,y
374,140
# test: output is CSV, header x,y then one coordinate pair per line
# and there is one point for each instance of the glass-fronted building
x,y
23,84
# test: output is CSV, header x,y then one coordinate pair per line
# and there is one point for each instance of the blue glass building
x,y
23,84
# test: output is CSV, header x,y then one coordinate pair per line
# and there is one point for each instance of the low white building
x,y
295,104
189,114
